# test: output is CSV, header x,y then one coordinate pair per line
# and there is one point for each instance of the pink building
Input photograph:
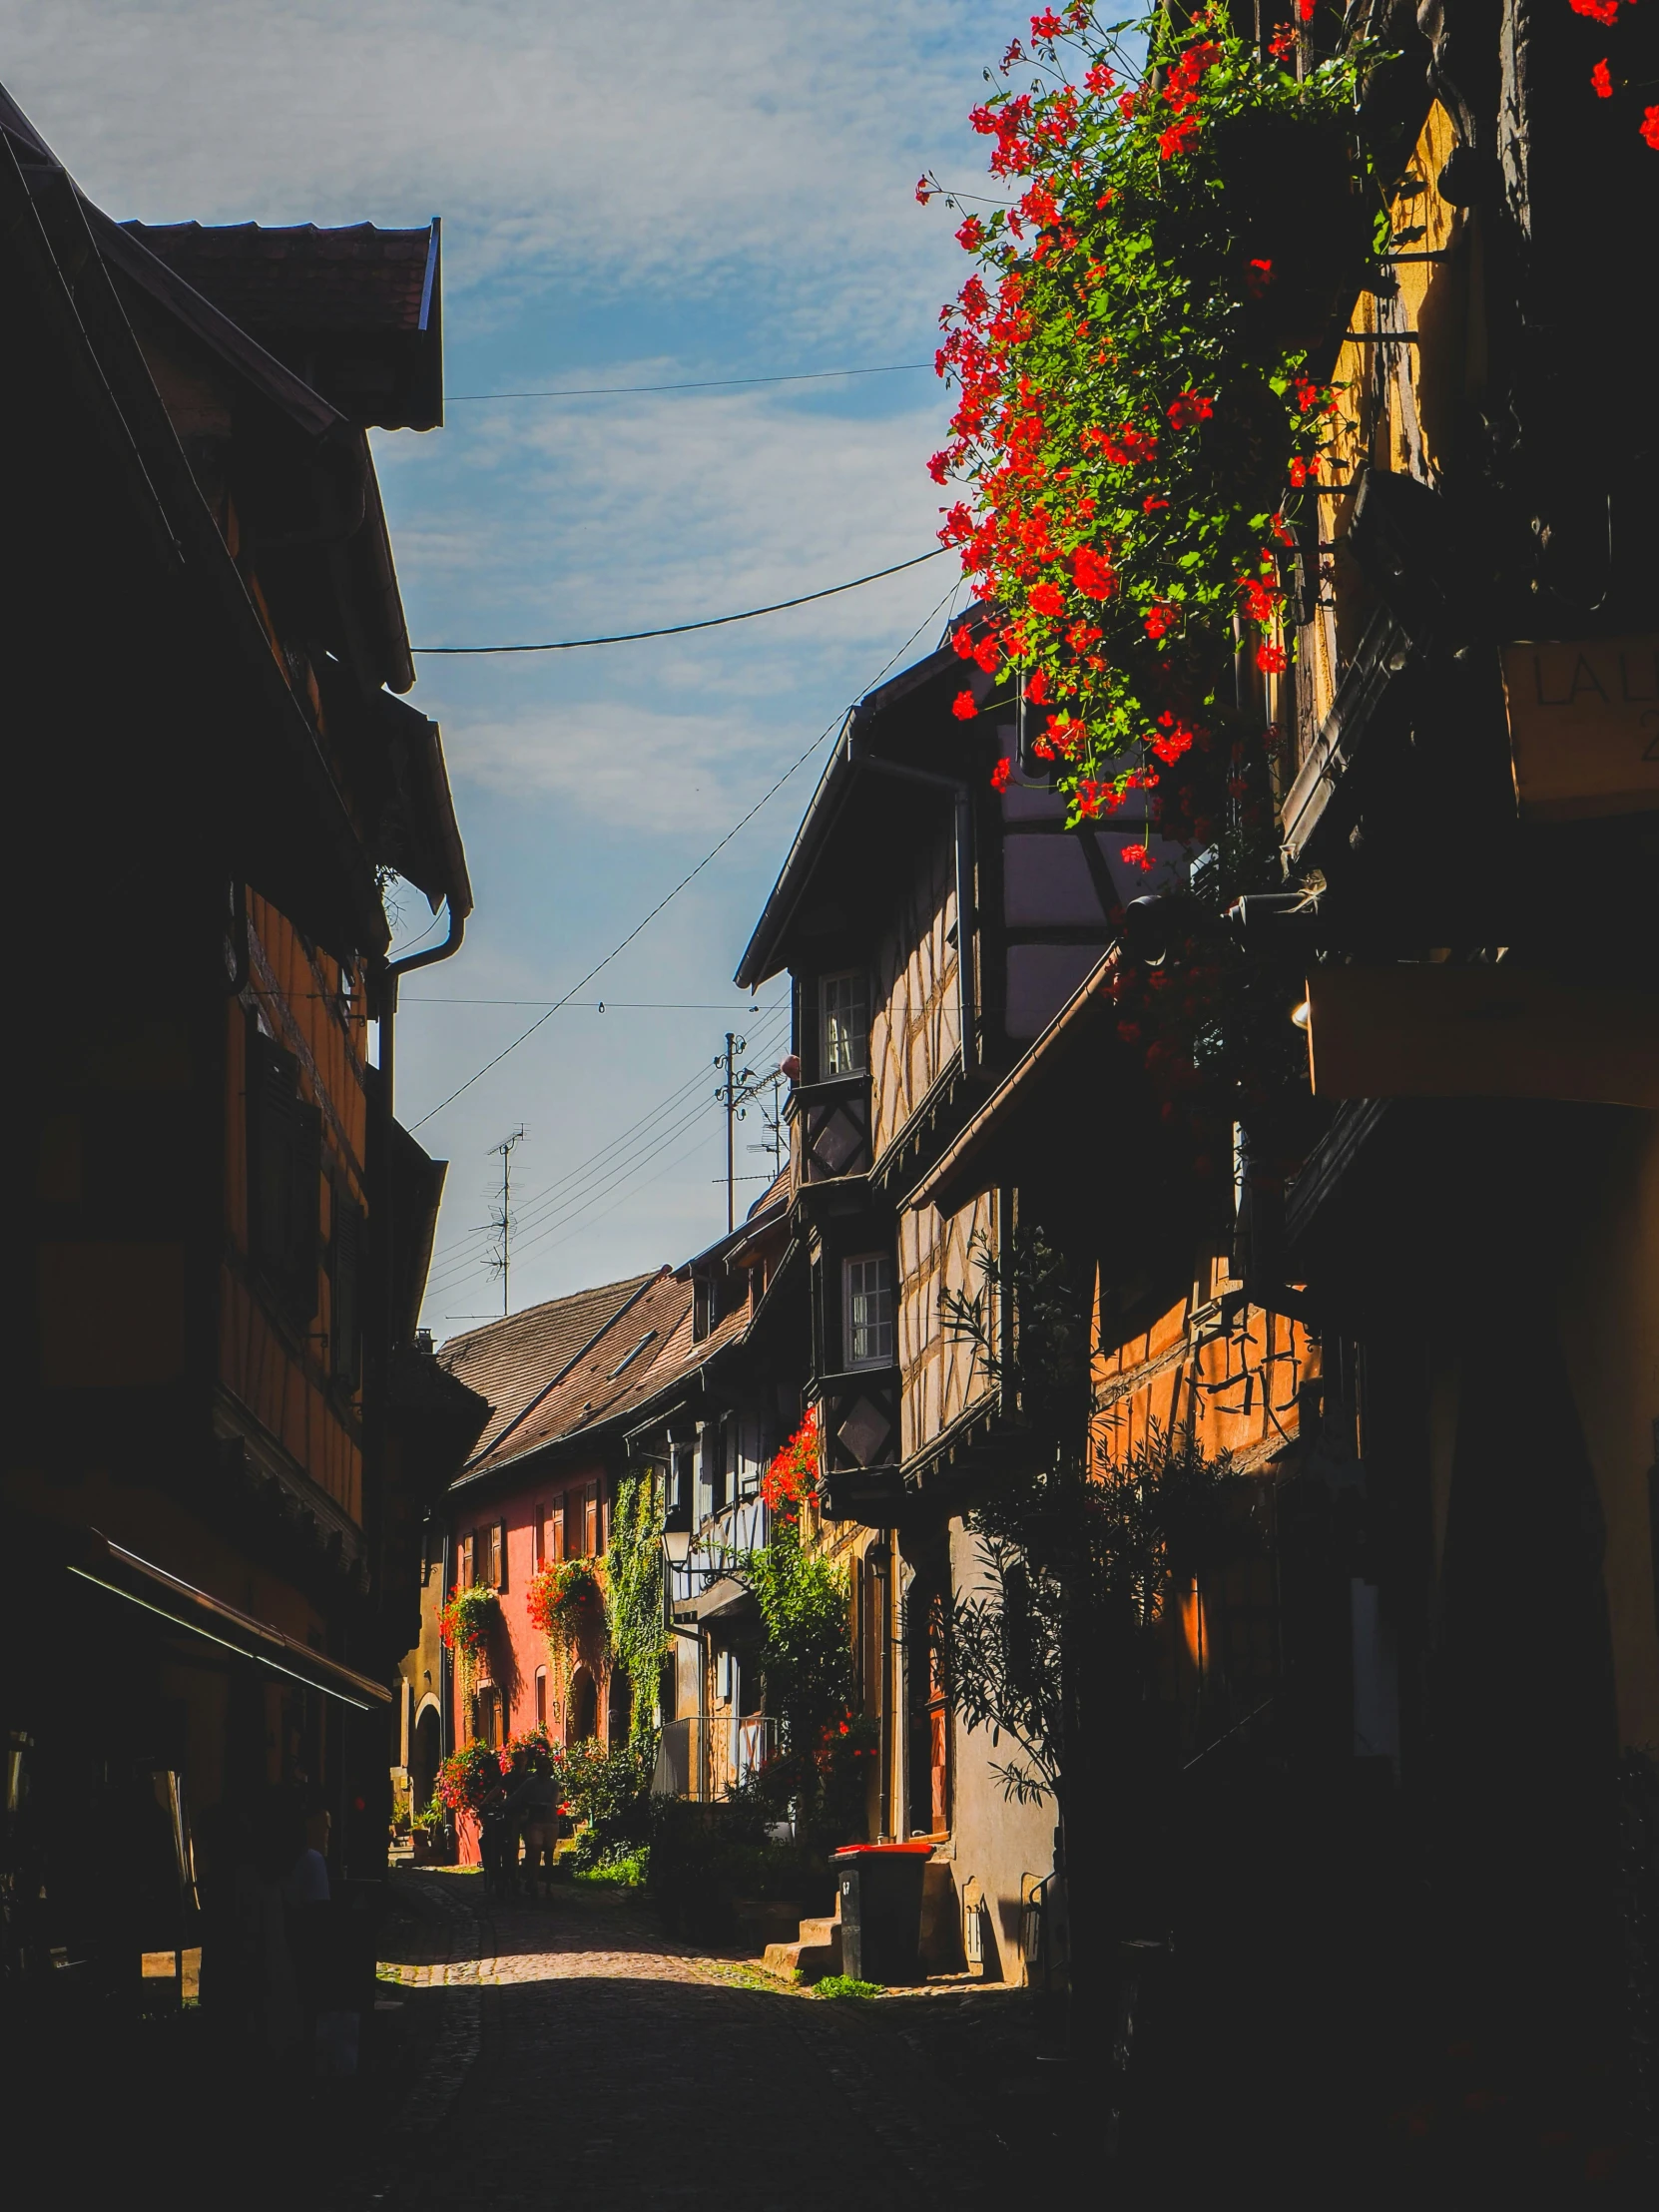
x,y
564,1381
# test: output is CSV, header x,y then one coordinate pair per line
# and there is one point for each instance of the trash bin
x,y
880,1902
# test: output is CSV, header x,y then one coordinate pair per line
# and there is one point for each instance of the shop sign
x,y
1584,726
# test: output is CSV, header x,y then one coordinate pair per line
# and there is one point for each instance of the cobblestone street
x,y
567,2049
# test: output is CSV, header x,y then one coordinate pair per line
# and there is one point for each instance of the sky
x,y
694,191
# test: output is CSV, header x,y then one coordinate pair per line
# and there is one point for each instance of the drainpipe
x,y
968,995
385,1004
376,1414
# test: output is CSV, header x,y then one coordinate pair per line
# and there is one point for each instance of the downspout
x,y
385,1006
967,996
377,1417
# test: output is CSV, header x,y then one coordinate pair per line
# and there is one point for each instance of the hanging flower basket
x,y
465,1624
566,1603
1140,419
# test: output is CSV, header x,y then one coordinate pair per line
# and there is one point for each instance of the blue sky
x,y
629,197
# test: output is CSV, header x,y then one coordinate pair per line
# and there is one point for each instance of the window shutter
x,y
306,1215
590,1521
498,1554
284,1171
346,1270
463,1563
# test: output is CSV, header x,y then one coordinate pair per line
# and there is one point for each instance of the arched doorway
x,y
423,1758
584,1707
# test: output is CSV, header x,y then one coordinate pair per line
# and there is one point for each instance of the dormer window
x,y
844,1027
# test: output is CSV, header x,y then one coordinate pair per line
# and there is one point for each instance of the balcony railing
x,y
705,1756
718,1544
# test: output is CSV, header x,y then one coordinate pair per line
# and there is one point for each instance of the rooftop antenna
x,y
501,1221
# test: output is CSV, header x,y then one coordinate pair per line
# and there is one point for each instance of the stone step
x,y
815,1952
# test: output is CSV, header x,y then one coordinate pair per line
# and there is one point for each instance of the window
x,y
553,1532
541,1697
869,1311
843,1025
285,1177
495,1537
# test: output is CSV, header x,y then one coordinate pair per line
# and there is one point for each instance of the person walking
x,y
535,1804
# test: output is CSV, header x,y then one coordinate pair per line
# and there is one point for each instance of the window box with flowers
x,y
566,1602
466,1625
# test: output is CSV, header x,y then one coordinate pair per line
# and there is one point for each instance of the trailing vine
x,y
1136,423
566,1603
638,1634
465,1624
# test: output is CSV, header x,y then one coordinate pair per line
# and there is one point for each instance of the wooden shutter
x,y
285,1177
463,1563
345,1280
498,1554
590,1520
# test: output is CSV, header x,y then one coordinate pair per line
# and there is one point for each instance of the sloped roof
x,y
297,276
556,1372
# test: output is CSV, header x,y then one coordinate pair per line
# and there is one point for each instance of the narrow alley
x,y
568,2048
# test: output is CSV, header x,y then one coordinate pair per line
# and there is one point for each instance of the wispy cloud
x,y
704,188
702,141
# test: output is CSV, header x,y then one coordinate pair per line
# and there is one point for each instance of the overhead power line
x,y
704,383
690,875
709,622
581,1190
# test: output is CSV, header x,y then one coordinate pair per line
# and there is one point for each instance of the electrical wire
x,y
574,1203
706,384
709,622
595,1164
602,1167
742,823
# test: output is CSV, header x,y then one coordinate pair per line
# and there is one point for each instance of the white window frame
x,y
858,1027
850,1326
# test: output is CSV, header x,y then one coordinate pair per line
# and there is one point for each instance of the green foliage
x,y
1080,1562
608,1786
640,1639
845,1986
612,1868
807,1642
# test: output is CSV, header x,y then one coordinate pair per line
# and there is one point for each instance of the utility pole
x,y
502,1222
727,1096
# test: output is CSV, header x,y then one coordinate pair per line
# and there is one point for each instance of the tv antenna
x,y
501,1219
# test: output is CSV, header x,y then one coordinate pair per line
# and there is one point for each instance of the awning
x,y
140,1582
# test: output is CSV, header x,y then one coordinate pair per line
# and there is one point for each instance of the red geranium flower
x,y
1650,128
962,706
1045,599
1601,81
1604,12
1093,574
1270,658
1189,407
1001,773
